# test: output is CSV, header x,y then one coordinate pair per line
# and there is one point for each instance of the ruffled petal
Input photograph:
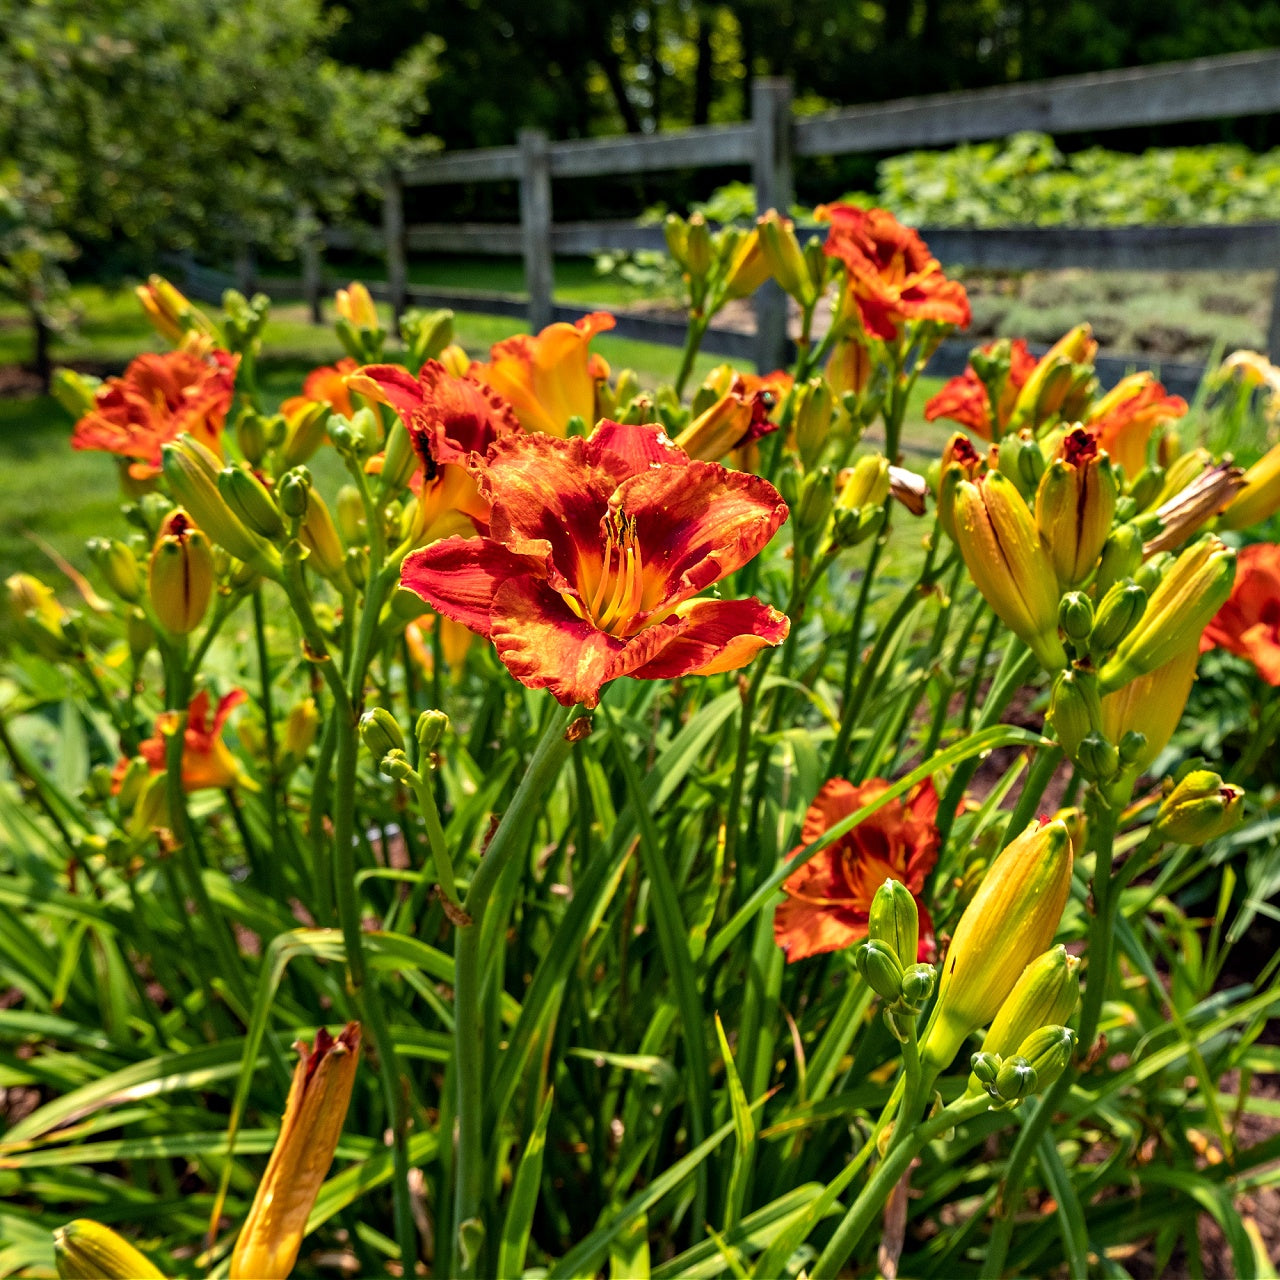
x,y
460,577
626,450
716,636
835,802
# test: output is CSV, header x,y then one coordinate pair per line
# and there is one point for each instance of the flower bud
x,y
1188,596
380,732
86,1250
318,1099
1201,807
425,334
960,461
736,418
697,246
300,728
1075,616
137,774
817,497
1152,704
292,493
1019,457
251,436
355,305
785,258
1045,995
865,484
1074,506
172,316
748,269
400,461
1097,757
1047,1051
180,575
1015,1080
813,409
248,498
1118,612
894,920
880,970
985,1067
1121,556
676,233
76,392
1055,379
1008,563
140,635
304,432
118,566
350,513
1260,496
917,985
1009,921
430,730
320,537
1075,710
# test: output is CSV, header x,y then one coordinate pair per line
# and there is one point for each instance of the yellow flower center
x,y
611,594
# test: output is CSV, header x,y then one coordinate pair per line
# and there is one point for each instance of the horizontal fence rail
x,y
1231,85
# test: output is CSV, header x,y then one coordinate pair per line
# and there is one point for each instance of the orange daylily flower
x,y
159,398
206,759
965,399
550,377
327,384
449,418
829,898
455,640
1125,417
734,422
596,551
891,274
1249,623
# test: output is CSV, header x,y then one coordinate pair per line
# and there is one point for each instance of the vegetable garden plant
x,y
678,838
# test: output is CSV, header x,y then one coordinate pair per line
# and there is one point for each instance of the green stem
x,y
513,830
269,732
692,341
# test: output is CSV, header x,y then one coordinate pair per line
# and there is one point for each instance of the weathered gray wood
x,y
502,239
641,153
771,172
535,225
393,239
1202,248
488,164
584,238
1238,84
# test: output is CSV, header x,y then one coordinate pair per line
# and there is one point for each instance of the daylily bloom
x,y
965,399
449,418
206,759
1125,417
355,305
327,384
158,399
455,640
891,274
314,1114
829,899
596,549
550,377
734,422
1249,623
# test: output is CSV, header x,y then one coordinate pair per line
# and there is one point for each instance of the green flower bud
x,y
817,496
1131,746
400,461
917,985
880,970
304,432
1019,458
1199,808
1046,994
251,436
1121,556
1047,1051
350,513
118,566
430,730
697,253
1116,615
676,233
292,493
1015,1080
1075,616
248,498
1096,757
894,921
380,732
1075,710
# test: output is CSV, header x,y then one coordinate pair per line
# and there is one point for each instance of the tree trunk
x,y
702,74
602,52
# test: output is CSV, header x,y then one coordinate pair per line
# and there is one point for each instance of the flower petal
x,y
460,577
626,450
715,636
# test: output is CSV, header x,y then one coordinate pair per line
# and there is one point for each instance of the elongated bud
x,y
191,472
380,732
1075,616
118,566
1075,710
140,635
1008,563
1191,592
1020,457
180,575
292,493
300,729
894,920
1054,379
785,258
76,392
736,418
136,775
304,432
170,313
1047,1051
697,246
814,409
350,513
960,461
320,536
251,436
318,1099
1260,496
355,305
1201,807
880,970
1121,556
400,462
1074,506
676,233
425,334
86,1250
865,484
748,268
248,498
430,730
1151,707
1045,995
1009,921
817,497
1118,613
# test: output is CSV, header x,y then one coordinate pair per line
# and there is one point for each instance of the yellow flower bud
x,y
1188,595
785,258
455,360
675,231
38,616
180,575
355,305
1075,710
249,500
305,431
1054,379
1009,921
748,268
1045,995
1074,506
170,312
1260,496
734,419
300,728
1001,546
321,1091
320,537
86,1250
1200,808
814,407
1152,705
865,484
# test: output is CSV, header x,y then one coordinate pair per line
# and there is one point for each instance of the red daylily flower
x,y
597,547
1125,417
1249,623
829,898
329,384
158,399
965,399
891,274
206,759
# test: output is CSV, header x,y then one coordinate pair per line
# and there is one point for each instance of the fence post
x,y
771,172
535,225
393,235
1273,329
